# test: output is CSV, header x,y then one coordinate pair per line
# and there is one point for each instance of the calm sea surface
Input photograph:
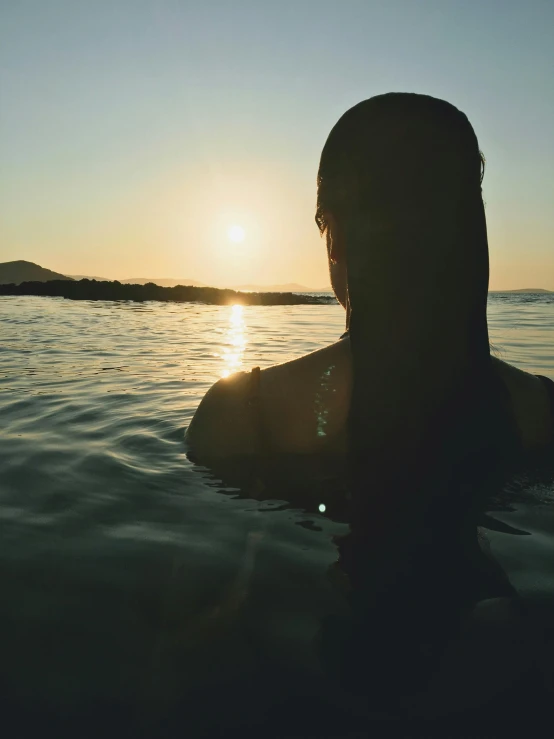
x,y
128,572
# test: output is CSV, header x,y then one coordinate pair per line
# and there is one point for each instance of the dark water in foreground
x,y
137,591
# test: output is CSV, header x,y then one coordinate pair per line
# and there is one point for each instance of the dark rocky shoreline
x,y
93,290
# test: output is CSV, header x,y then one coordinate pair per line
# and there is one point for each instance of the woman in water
x,y
409,397
399,202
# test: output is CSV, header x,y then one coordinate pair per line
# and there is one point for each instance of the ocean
x,y
132,578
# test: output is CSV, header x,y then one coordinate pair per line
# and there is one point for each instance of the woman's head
x,y
400,161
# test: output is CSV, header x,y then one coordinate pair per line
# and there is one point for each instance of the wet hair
x,y
401,173
390,142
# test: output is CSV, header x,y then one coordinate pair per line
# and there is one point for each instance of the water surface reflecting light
x,y
234,342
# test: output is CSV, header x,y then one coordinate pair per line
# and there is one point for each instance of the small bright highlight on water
x,y
322,507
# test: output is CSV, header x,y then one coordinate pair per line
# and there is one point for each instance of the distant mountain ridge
x,y
90,277
289,287
163,281
21,271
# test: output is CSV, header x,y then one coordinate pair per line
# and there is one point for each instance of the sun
x,y
236,234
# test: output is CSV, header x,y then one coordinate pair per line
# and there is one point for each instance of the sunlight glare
x,y
236,234
235,342
236,315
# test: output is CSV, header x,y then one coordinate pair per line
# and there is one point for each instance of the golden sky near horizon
x,y
134,135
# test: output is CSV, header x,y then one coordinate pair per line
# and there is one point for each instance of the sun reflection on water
x,y
234,342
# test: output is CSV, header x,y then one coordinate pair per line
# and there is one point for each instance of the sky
x,y
135,133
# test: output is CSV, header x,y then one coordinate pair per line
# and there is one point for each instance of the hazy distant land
x,y
289,287
23,271
162,281
26,278
93,290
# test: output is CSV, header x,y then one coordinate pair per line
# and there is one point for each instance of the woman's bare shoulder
x,y
223,425
226,424
530,402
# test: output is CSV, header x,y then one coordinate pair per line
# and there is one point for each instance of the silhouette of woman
x,y
424,417
399,202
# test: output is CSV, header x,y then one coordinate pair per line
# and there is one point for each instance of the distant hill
x,y
289,287
90,277
162,281
22,271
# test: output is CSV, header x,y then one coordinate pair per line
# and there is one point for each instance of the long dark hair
x,y
401,173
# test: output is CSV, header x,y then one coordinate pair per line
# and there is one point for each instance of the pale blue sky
x,y
134,132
